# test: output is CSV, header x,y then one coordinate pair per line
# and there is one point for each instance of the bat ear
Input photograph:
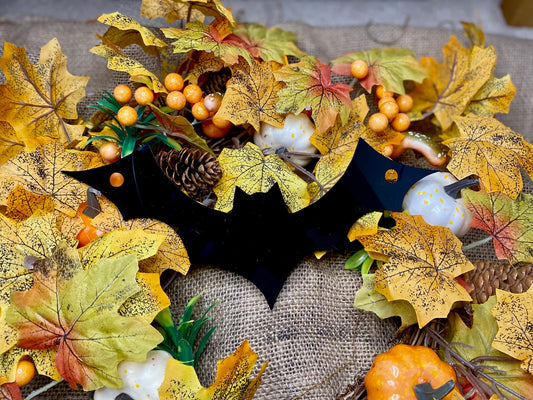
x,y
269,203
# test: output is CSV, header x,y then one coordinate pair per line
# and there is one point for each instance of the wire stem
x,y
477,243
42,389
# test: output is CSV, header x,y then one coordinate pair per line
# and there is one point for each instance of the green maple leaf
x,y
308,84
75,312
388,66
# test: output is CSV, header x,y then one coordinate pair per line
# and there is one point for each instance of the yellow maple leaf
x,y
22,204
232,380
10,143
514,316
492,151
366,225
250,170
203,63
37,99
40,173
170,10
495,96
423,261
251,96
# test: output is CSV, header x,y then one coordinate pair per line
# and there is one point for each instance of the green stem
x,y
477,243
42,389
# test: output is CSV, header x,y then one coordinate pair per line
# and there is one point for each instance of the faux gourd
x,y
429,199
88,232
294,136
395,373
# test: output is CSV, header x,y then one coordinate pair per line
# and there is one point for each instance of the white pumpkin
x,y
141,379
294,136
428,198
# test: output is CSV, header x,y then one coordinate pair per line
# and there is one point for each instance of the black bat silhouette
x,y
259,239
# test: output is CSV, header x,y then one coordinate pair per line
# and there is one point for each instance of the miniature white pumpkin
x,y
428,198
141,379
294,136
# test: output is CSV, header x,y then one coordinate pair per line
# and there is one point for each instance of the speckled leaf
x,y
10,143
452,85
22,204
210,8
124,31
267,44
388,66
476,342
37,99
203,63
210,38
251,96
514,316
232,381
308,84
368,299
492,151
119,243
250,170
494,97
149,301
39,172
77,315
366,225
423,262
42,359
508,221
118,61
474,34
169,9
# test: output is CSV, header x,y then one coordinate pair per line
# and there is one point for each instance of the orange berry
x,y
213,131
381,92
127,116
25,372
222,123
144,95
401,122
378,122
173,81
359,69
405,103
390,109
384,100
213,101
122,93
193,93
199,111
116,179
110,152
176,100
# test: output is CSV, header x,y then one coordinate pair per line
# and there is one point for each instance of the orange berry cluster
x,y
391,109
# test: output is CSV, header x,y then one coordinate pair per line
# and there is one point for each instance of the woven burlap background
x,y
314,340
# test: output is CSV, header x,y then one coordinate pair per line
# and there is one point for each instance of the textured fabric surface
x,y
314,340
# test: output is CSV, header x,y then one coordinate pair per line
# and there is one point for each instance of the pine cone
x,y
193,170
213,82
491,275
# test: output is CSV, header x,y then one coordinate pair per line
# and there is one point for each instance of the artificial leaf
x,y
250,170
232,380
210,8
508,221
149,301
118,61
10,391
39,172
124,31
451,86
388,66
267,44
308,84
487,148
169,9
495,96
210,38
42,359
203,63
514,316
366,225
251,96
368,299
474,34
180,127
10,143
75,312
423,262
476,342
22,204
37,99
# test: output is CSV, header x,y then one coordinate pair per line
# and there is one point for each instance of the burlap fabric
x,y
314,340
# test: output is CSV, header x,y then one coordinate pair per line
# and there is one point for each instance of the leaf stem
x,y
42,389
477,243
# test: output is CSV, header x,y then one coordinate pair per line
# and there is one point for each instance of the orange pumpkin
x,y
88,232
395,373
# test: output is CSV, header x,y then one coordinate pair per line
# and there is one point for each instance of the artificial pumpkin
x,y
395,373
294,136
429,199
88,232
